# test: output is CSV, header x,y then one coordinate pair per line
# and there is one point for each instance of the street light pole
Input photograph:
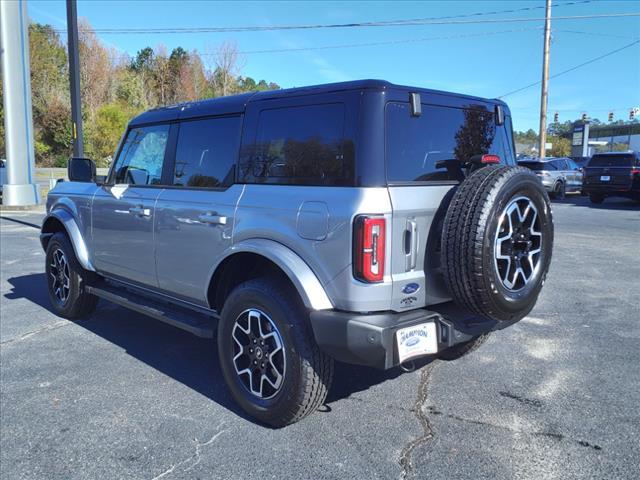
x,y
545,80
74,78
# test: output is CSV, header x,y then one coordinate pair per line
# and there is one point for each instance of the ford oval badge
x,y
412,341
410,288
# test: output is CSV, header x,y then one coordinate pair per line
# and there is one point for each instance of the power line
x,y
382,43
342,25
574,68
185,30
597,34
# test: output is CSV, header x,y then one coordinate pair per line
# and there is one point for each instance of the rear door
x,y
123,210
609,171
423,156
195,214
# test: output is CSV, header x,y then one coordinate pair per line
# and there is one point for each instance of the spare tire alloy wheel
x,y
497,240
259,359
518,244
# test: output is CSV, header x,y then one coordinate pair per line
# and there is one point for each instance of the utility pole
x,y
74,78
545,80
21,188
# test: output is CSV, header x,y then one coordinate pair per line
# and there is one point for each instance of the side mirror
x,y
81,170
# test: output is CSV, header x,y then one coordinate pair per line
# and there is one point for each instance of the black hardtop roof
x,y
238,103
613,154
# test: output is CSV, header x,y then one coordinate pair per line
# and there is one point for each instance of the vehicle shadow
x,y
614,203
186,358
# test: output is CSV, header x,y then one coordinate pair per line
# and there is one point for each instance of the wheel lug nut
x,y
251,350
262,364
255,362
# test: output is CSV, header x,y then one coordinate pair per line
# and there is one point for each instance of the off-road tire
x,y
462,349
469,242
309,372
596,198
78,302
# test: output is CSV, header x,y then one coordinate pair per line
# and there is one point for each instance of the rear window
x,y
302,145
432,146
206,152
537,166
611,161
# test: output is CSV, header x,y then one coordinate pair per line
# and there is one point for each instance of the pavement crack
x,y
421,414
51,326
536,433
194,459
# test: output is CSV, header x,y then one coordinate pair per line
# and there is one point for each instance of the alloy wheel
x,y
259,355
59,271
518,244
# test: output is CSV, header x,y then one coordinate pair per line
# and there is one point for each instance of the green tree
x,y
560,146
110,122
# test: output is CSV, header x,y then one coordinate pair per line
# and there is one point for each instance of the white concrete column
x,y
21,188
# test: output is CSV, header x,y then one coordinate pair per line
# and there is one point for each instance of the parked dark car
x,y
612,174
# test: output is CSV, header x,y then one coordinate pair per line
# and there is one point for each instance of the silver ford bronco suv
x,y
360,222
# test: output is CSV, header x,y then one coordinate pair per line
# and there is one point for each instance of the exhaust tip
x,y
409,366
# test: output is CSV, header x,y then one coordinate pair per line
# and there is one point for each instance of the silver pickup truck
x,y
362,222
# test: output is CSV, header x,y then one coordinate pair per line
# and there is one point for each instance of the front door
x,y
124,209
195,215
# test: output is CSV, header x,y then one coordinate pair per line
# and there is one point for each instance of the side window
x,y
300,146
551,166
142,155
207,151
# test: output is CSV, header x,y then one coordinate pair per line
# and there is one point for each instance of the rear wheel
x,y
559,191
66,280
596,198
268,355
462,349
497,240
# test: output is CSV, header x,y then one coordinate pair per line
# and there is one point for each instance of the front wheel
x,y
66,280
269,358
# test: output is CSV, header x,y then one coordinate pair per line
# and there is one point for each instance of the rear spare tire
x,y
497,240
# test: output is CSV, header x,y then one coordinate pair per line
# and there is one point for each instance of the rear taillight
x,y
635,171
368,248
490,158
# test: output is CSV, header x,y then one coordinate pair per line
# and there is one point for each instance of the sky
x,y
482,59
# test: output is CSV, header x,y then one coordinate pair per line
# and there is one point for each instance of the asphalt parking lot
x,y
119,395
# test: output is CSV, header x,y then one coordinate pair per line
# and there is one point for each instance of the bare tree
x,y
228,65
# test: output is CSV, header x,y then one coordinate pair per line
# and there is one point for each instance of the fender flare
x,y
302,277
71,227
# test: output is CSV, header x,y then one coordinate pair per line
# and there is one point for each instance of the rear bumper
x,y
610,189
370,339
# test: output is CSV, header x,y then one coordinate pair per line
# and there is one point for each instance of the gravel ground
x,y
122,396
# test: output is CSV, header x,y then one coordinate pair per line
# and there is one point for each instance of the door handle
x,y
213,218
411,245
141,211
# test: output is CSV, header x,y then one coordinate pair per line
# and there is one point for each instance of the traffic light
x,y
632,114
555,117
611,116
584,117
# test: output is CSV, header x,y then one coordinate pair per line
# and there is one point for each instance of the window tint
x,y
207,151
142,155
611,161
301,146
536,166
432,146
